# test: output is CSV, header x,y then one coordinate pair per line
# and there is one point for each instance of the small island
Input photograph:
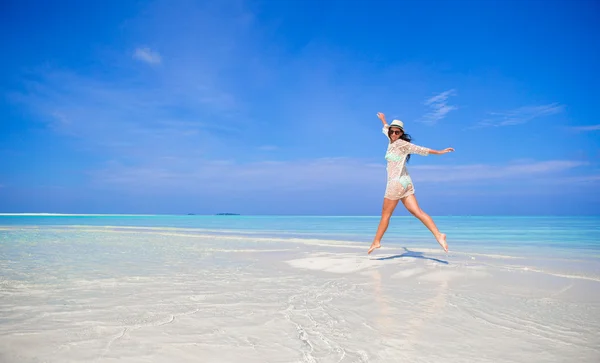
x,y
227,214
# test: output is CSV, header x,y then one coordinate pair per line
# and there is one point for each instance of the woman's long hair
x,y
406,137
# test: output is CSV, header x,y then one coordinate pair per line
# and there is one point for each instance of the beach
x,y
177,289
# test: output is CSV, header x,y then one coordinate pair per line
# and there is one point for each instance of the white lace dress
x,y
399,183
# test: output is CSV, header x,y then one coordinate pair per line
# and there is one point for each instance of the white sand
x,y
107,296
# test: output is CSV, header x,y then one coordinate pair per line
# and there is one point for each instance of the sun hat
x,y
397,123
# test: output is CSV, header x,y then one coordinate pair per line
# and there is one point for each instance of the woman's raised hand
x,y
381,116
448,150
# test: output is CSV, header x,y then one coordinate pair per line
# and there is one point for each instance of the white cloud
x,y
520,115
587,128
224,176
147,55
582,179
197,175
512,172
439,107
128,119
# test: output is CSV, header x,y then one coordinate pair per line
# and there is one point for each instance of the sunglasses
x,y
397,132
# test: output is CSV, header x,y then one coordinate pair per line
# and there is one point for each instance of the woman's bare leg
x,y
386,213
412,206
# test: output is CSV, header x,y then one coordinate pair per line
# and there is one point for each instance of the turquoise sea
x,y
515,235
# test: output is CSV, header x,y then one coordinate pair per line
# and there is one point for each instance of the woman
x,y
399,184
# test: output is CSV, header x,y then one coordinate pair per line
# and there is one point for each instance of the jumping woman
x,y
399,184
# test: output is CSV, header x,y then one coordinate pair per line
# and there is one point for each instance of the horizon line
x,y
28,214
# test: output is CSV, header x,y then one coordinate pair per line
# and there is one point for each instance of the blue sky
x,y
269,107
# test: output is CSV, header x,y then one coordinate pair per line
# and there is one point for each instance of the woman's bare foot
x,y
374,246
442,241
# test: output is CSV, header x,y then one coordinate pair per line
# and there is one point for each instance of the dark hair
x,y
406,137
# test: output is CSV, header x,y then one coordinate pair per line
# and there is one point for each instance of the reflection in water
x,y
410,331
383,320
430,308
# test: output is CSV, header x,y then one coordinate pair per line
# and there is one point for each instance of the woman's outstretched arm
x,y
410,148
440,152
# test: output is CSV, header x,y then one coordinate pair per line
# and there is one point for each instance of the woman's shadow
x,y
413,254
